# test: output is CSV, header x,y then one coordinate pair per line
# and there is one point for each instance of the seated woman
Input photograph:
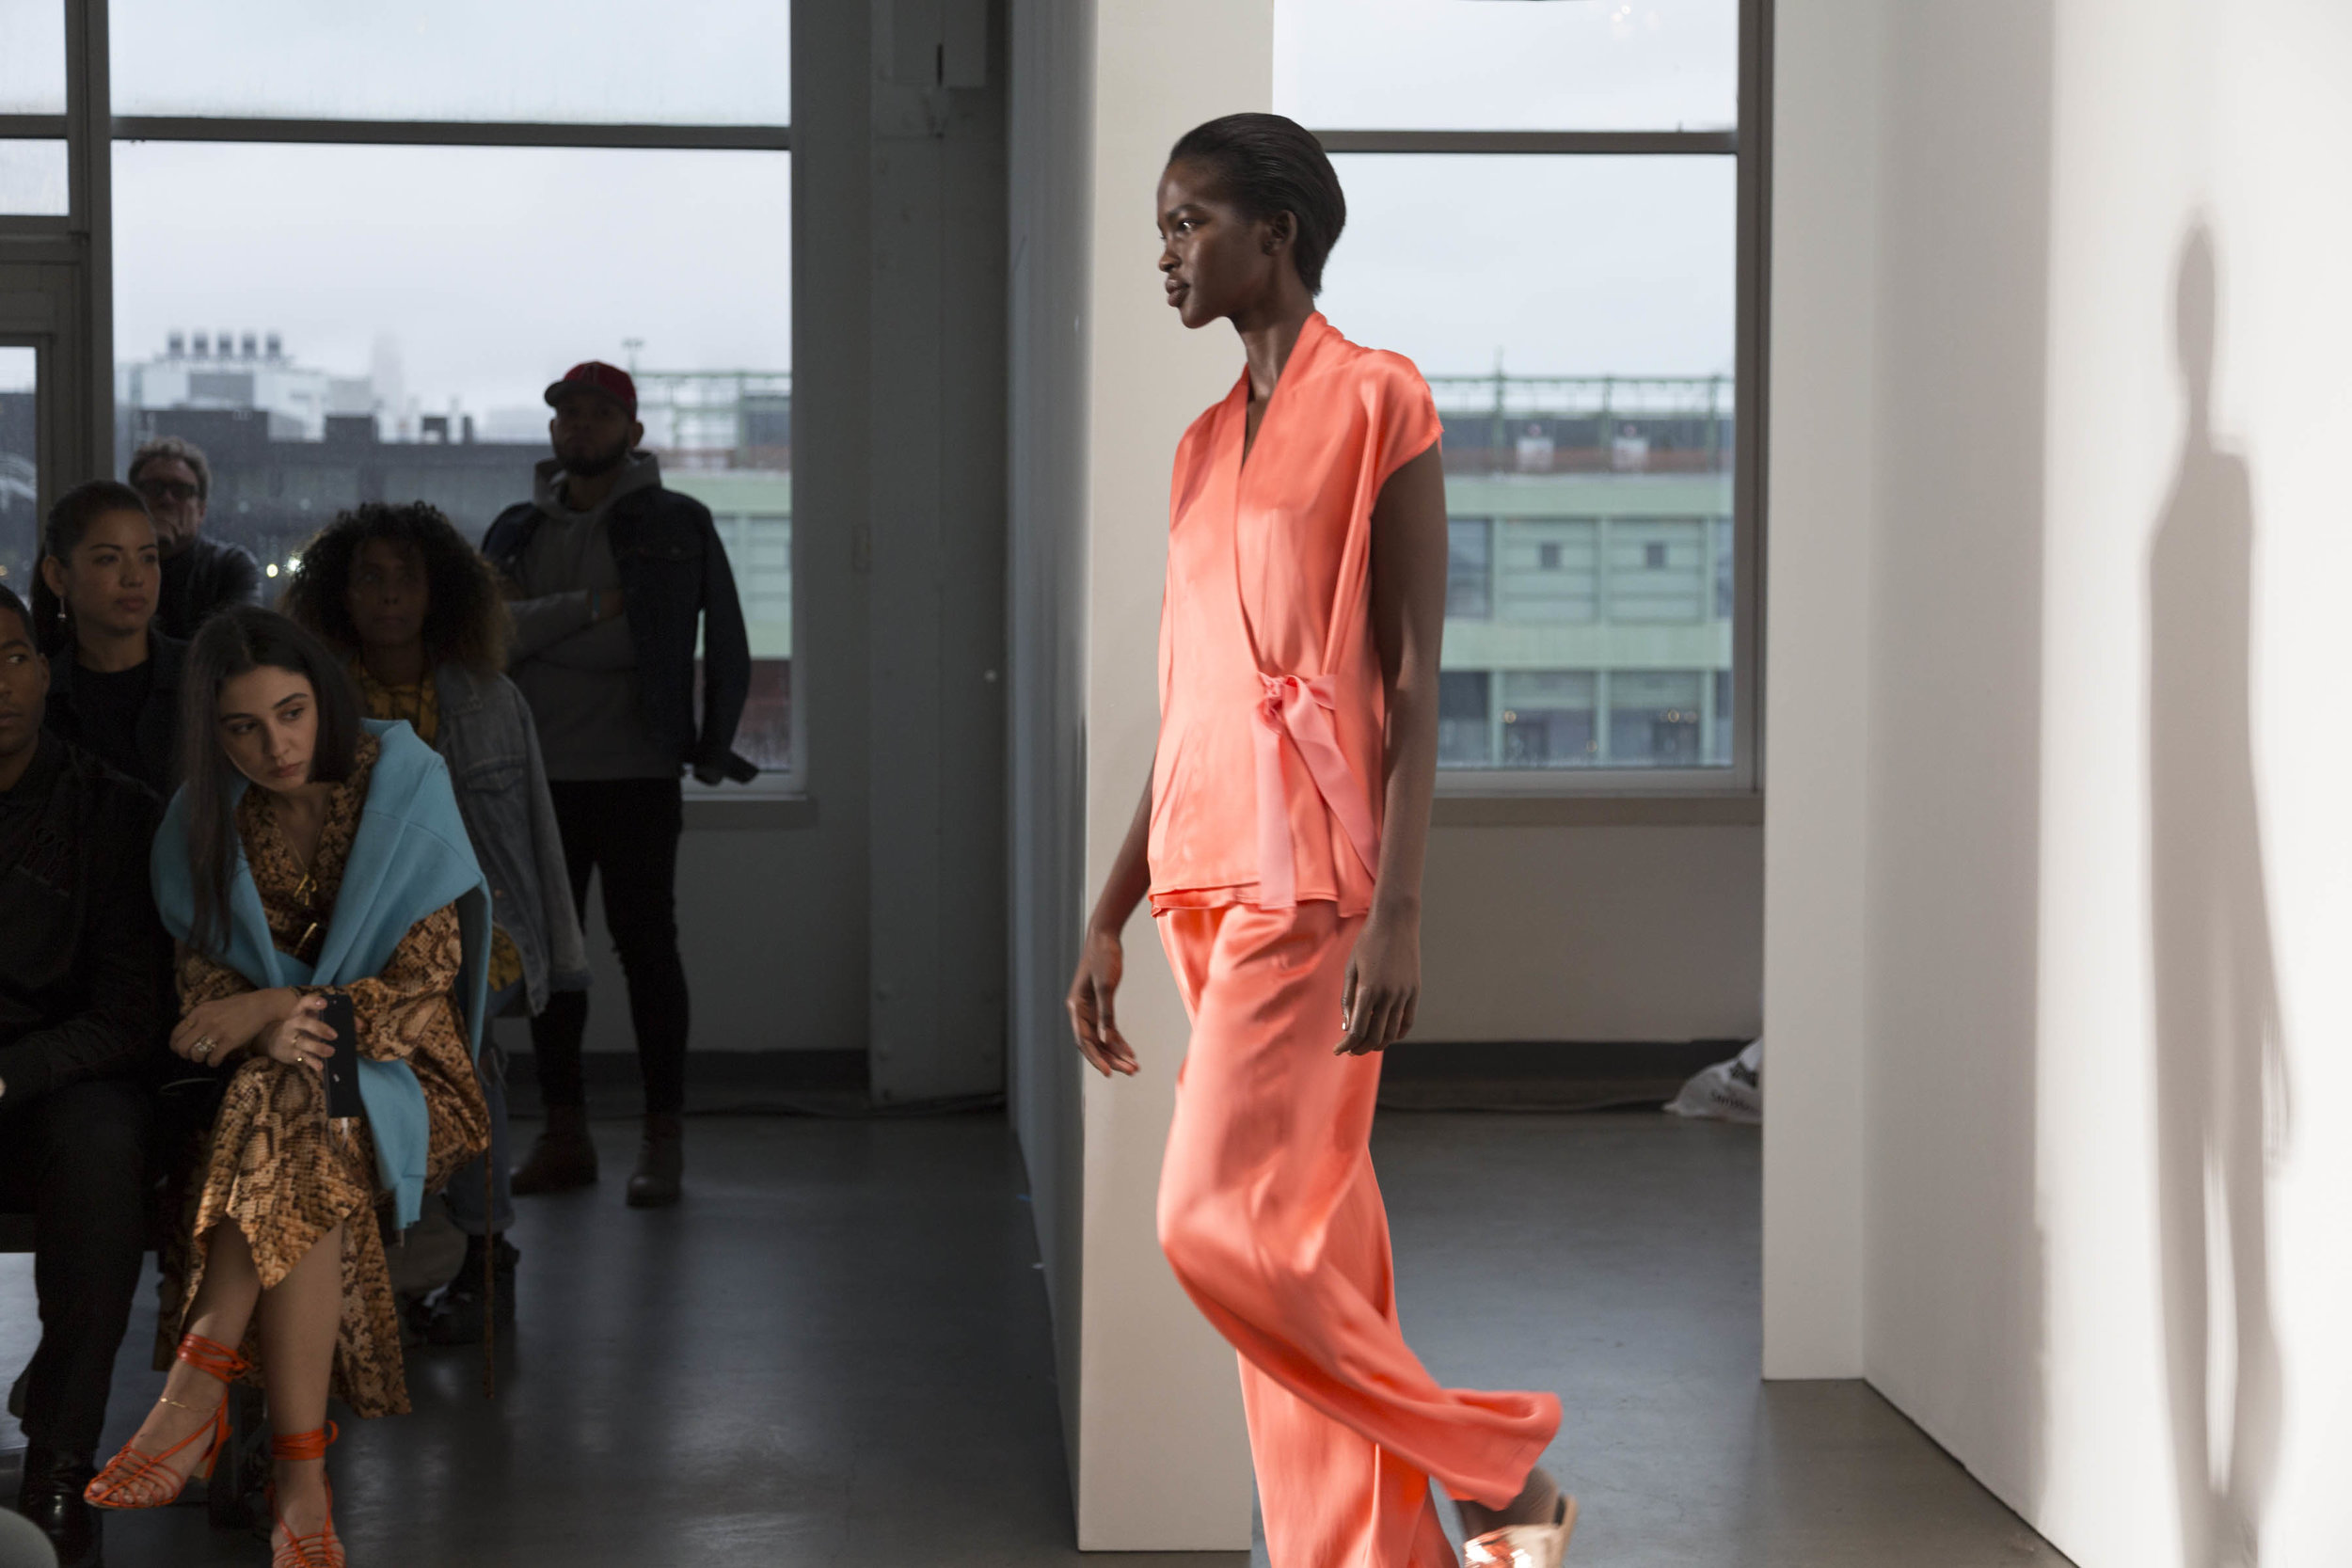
x,y
308,853
114,679
418,612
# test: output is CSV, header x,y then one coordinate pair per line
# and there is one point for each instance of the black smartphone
x,y
342,1068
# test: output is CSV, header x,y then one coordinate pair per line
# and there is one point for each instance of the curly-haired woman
x,y
397,591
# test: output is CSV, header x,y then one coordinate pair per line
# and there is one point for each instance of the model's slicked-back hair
x,y
1269,164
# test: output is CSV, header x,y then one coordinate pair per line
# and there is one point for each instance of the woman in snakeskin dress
x,y
309,853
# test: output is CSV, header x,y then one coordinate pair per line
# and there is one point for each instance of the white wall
x,y
1592,930
1822,503
1981,936
1103,381
1161,1460
769,927
1050,154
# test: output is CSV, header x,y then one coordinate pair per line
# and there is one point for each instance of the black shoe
x,y
661,1164
459,1314
563,1159
51,1497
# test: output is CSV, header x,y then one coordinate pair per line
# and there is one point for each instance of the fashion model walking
x,y
1280,840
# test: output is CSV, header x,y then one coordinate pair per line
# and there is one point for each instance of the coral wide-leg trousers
x,y
1270,1216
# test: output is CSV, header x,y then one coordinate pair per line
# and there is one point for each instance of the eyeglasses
x,y
168,490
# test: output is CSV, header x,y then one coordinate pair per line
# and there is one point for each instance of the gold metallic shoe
x,y
1525,1545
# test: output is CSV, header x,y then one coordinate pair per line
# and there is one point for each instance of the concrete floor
x,y
837,1351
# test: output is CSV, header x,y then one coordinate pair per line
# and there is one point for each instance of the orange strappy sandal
x,y
135,1479
321,1549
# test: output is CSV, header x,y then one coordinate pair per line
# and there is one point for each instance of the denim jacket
x,y
674,581
486,737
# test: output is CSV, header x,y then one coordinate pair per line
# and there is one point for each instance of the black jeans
x,y
77,1158
628,829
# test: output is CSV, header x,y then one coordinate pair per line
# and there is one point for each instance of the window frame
x,y
1749,144
77,422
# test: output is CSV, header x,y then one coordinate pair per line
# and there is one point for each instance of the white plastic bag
x,y
1728,1091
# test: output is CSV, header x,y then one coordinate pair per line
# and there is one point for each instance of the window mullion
x,y
451,132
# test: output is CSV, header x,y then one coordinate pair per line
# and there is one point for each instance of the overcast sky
x,y
1507,65
491,269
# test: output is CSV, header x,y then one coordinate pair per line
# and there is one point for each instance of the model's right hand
x,y
1100,962
301,1039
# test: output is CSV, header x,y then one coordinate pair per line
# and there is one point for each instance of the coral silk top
x,y
1267,786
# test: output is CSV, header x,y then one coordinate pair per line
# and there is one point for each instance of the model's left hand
x,y
212,1032
1383,984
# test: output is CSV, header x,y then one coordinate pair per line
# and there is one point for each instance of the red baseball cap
x,y
595,375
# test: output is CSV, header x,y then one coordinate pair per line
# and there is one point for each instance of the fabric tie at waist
x,y
1301,709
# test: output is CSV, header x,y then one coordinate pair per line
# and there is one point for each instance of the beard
x,y
593,464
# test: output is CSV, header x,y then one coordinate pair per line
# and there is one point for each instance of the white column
x,y
1817,667
1163,1460
1150,1400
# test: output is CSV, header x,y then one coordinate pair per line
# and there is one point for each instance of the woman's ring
x,y
204,1048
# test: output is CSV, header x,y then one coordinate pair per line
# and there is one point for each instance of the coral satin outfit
x,y
1265,821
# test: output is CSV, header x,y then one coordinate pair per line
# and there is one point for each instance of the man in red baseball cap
x,y
595,375
613,580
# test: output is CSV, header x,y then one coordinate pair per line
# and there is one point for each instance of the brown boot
x,y
661,1164
562,1159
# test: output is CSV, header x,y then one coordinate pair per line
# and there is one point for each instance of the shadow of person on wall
x,y
2220,1087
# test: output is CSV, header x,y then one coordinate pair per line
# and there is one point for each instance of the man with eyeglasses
x,y
201,574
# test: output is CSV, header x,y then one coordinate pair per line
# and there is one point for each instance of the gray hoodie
x,y
579,673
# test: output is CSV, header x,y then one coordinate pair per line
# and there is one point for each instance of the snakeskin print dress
x,y
271,1164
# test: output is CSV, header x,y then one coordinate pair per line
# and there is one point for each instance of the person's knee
x,y
1194,1236
95,1136
645,937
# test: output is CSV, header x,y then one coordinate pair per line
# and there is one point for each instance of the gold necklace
x,y
306,891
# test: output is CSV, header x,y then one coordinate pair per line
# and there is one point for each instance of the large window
x,y
1554,211
20,471
352,244
694,63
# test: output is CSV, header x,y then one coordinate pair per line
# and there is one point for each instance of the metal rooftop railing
x,y
1641,397
1559,424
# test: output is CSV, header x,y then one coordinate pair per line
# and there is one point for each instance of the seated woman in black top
x,y
84,1012
114,681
